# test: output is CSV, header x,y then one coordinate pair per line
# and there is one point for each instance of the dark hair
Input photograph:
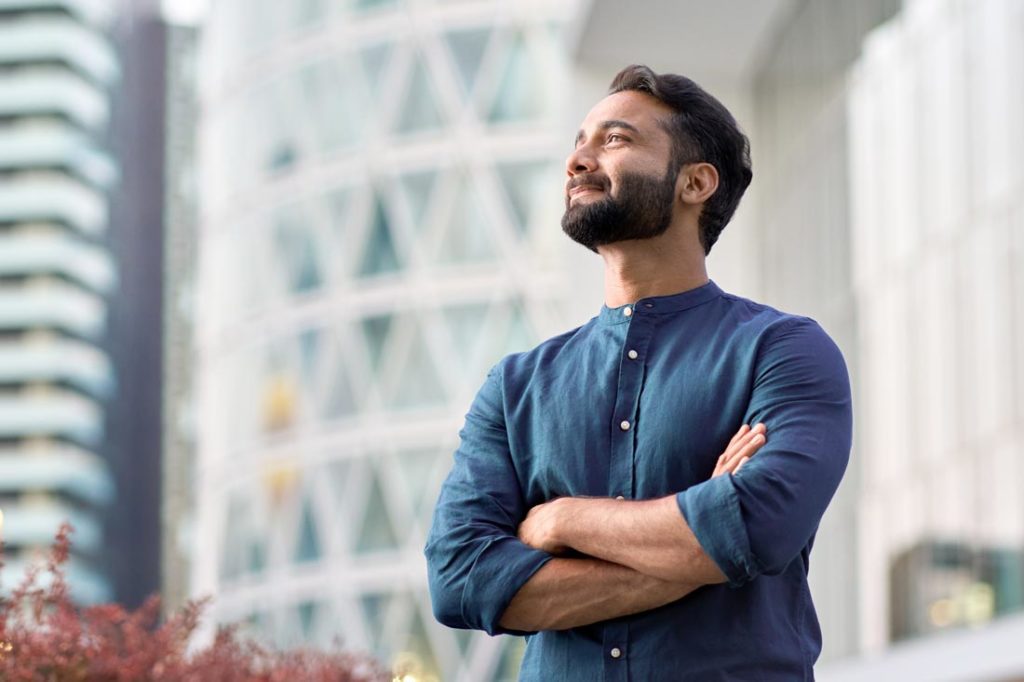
x,y
702,129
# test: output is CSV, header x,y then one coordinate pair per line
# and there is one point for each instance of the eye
x,y
617,137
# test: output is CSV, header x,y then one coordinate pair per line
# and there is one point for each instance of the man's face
x,y
621,178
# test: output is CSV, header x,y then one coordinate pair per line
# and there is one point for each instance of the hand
x,y
540,527
741,448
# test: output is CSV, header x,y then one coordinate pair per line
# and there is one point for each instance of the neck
x,y
642,268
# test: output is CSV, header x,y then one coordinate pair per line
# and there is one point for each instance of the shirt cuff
x,y
499,571
712,510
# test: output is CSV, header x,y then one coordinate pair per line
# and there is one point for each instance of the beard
x,y
641,208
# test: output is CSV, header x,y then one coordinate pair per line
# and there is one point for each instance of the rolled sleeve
x,y
476,563
712,510
756,522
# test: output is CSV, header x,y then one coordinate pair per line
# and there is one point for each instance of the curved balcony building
x,y
379,203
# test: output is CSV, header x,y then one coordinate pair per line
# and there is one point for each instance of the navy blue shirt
x,y
685,371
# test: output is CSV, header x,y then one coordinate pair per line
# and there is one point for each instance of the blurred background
x,y
257,256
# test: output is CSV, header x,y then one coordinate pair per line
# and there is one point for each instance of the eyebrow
x,y
605,125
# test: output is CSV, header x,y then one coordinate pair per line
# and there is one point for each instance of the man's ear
x,y
697,182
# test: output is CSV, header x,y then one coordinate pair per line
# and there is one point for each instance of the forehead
x,y
637,108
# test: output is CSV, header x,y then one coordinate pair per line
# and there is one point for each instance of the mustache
x,y
600,181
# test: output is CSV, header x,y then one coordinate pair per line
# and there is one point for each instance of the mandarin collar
x,y
656,305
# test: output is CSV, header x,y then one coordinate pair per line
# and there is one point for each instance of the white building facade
x,y
377,183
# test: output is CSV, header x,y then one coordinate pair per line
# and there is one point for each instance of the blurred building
x,y
135,329
81,162
378,182
937,211
179,357
57,68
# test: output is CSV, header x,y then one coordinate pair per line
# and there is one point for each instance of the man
x,y
606,500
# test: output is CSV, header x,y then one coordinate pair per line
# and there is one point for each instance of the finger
x,y
739,434
740,465
742,441
747,451
742,444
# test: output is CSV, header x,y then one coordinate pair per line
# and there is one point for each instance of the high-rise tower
x,y
56,69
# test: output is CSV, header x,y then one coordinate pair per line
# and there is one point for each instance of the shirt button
x,y
633,355
624,425
627,311
615,652
619,497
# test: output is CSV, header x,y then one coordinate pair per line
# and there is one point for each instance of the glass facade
x,y
938,269
378,179
56,274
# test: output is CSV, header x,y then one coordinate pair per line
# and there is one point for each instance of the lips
x,y
580,189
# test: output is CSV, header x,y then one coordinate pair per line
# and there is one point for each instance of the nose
x,y
581,160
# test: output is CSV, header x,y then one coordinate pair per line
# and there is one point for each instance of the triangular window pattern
x,y
511,333
466,325
379,254
376,533
375,331
420,384
416,467
419,109
296,250
307,612
525,184
336,476
242,551
255,559
375,610
337,202
339,400
519,337
309,349
329,104
417,190
308,547
468,233
467,48
518,96
375,61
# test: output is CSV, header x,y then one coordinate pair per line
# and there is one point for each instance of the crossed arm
x,y
496,565
639,554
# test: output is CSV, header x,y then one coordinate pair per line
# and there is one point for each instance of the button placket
x,y
621,472
630,383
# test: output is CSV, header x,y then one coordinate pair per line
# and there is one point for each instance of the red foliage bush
x,y
45,637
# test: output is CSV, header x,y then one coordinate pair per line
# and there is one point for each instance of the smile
x,y
583,189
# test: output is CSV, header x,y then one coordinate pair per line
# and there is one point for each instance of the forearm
x,y
567,593
649,536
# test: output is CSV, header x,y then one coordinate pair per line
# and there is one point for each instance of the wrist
x,y
561,529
